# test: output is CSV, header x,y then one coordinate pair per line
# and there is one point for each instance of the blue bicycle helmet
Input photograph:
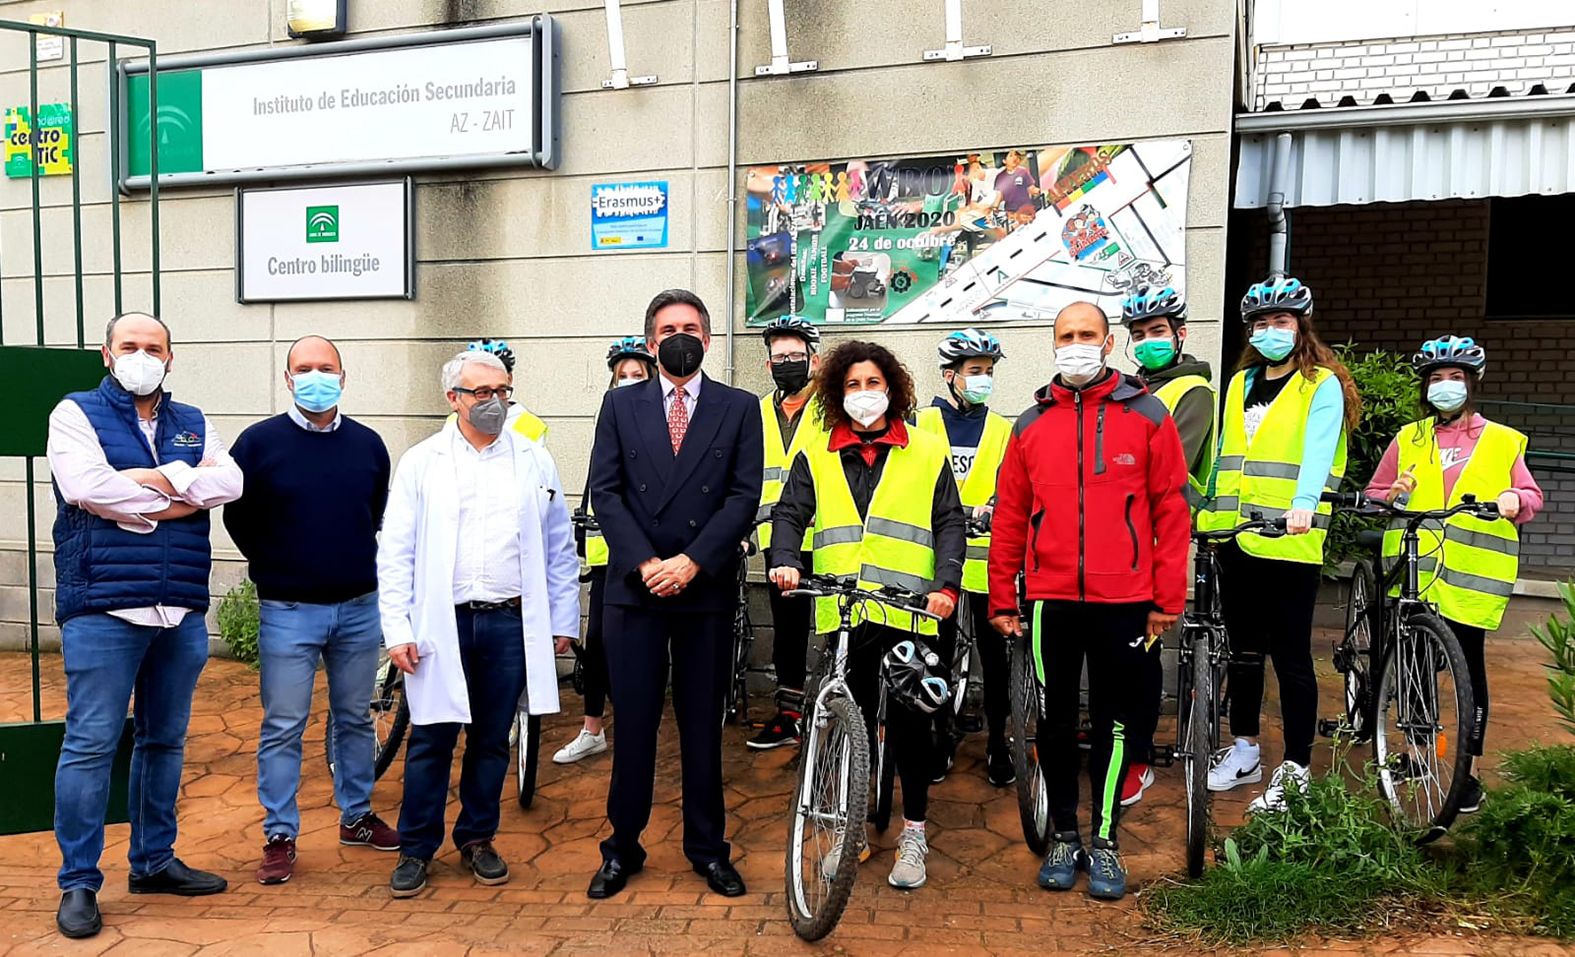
x,y
1461,352
968,344
498,348
628,347
1277,294
1154,302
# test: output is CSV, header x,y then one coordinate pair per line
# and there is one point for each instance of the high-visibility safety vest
x,y
595,545
894,543
523,423
779,459
1258,479
975,489
1471,574
1171,394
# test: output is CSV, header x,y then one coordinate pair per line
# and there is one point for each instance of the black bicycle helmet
x,y
498,348
1277,294
628,347
791,325
1461,352
914,677
968,344
1154,302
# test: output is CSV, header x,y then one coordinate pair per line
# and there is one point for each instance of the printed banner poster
x,y
1009,235
629,215
54,147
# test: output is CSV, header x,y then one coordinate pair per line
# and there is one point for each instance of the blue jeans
x,y
293,637
492,653
106,660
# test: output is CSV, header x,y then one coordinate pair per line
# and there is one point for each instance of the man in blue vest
x,y
135,474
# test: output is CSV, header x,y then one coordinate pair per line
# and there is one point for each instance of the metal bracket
x,y
780,65
954,49
1149,31
620,79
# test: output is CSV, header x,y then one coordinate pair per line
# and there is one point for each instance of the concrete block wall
x,y
1438,65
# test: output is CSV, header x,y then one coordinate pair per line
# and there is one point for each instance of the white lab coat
x,y
415,574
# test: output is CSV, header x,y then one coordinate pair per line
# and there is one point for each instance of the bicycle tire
x,y
1396,749
1201,725
836,749
885,773
388,698
738,688
1033,805
1355,655
527,757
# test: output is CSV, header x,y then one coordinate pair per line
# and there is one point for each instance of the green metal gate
x,y
42,373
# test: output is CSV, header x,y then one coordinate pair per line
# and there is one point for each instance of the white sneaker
x,y
833,858
584,745
908,873
1287,775
1235,766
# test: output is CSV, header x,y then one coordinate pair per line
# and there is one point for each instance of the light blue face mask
x,y
1272,343
1446,395
317,391
977,389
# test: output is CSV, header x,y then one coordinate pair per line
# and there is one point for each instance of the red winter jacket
x,y
1089,501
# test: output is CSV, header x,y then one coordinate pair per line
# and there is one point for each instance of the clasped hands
x,y
666,577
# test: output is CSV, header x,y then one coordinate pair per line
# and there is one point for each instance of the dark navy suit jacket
x,y
699,503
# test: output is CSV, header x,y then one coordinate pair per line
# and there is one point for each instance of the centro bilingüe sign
x,y
475,97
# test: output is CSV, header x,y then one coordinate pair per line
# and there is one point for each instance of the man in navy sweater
x,y
307,523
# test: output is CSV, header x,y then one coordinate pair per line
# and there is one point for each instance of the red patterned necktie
x,y
678,420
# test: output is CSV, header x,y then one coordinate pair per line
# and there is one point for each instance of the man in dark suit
x,y
675,480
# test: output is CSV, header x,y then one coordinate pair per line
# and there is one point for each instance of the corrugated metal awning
x,y
1457,149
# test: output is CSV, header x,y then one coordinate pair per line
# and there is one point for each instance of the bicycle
x,y
1203,654
966,701
737,701
1392,632
390,717
1027,694
831,797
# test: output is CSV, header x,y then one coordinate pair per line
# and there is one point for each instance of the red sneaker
x,y
1139,777
369,831
278,861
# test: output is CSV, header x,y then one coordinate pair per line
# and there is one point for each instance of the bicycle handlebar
x,y
585,520
977,528
1362,503
830,586
1267,527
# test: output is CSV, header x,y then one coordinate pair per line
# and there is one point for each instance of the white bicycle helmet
x,y
1461,352
968,344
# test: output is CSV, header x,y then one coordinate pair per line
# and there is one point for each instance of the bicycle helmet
x,y
498,348
791,325
628,347
968,344
1460,352
1276,294
914,677
1153,302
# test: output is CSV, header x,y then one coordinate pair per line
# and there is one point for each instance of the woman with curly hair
x,y
881,502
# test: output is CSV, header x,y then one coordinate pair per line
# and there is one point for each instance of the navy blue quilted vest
x,y
99,566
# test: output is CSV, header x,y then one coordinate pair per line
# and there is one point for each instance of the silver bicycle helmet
x,y
1460,352
1153,302
791,325
1276,294
914,677
968,344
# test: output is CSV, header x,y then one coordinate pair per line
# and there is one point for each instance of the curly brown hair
x,y
833,377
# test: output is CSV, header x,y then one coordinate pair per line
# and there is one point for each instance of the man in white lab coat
x,y
479,587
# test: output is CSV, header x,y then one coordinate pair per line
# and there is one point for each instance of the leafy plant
x,y
1389,391
1558,636
239,622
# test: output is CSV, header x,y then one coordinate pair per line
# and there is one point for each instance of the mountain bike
x,y
1203,654
831,798
737,701
1027,697
1406,686
966,713
390,717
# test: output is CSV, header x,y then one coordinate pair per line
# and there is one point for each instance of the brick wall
x,y
1389,275
1439,65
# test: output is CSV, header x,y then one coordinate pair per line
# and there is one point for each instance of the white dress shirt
x,y
85,479
690,392
487,567
299,418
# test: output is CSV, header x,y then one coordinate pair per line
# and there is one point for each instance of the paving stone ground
x,y
980,898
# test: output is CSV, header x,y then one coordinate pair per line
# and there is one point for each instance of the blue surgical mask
x,y
1273,343
1446,395
317,391
628,382
977,389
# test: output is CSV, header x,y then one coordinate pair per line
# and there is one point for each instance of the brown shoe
x,y
278,860
369,831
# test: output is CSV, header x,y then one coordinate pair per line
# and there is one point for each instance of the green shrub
x,y
239,620
1389,391
1558,636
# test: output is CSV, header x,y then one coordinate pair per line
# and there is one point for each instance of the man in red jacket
x,y
1089,507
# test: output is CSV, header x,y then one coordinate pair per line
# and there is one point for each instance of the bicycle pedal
x,y
1331,728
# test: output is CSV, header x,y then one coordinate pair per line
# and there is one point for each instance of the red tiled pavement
x,y
980,899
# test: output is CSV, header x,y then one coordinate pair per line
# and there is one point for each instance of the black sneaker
x,y
1471,800
410,877
485,863
1001,771
779,732
946,759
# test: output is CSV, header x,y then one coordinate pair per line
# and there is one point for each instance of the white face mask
x,y
1080,362
631,381
977,389
865,406
139,373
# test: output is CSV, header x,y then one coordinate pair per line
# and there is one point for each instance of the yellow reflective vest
x,y
1258,479
779,458
596,551
1471,574
977,487
523,423
1171,393
893,544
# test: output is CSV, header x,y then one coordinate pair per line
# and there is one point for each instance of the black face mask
x,y
680,355
790,377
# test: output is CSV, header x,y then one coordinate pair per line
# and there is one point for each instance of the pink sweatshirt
x,y
1456,442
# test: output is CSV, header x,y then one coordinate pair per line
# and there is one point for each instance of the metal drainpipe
x,y
1280,173
732,181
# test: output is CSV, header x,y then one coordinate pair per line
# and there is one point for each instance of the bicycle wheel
x,y
829,808
527,755
1423,714
885,770
1033,802
738,692
1201,720
390,718
1354,657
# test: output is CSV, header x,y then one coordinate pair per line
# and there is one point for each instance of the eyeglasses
x,y
485,394
785,357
